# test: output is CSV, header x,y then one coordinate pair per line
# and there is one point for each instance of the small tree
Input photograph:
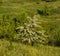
x,y
32,32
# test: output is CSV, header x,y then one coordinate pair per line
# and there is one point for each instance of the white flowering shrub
x,y
32,32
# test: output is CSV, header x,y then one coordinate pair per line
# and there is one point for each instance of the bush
x,y
44,11
31,33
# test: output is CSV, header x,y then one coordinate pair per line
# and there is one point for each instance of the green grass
x,y
19,49
15,9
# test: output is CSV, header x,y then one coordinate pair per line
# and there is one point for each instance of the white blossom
x,y
28,30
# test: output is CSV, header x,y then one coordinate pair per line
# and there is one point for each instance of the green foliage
x,y
37,1
53,30
49,0
13,14
44,11
27,50
56,10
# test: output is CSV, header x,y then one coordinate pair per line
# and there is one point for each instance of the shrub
x,y
44,11
31,32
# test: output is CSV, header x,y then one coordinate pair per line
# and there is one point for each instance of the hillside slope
x,y
10,9
18,49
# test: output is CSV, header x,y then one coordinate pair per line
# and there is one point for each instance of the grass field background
x,y
10,9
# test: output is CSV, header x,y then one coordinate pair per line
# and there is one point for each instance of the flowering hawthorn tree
x,y
31,32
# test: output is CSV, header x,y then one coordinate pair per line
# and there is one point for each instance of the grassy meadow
x,y
18,49
14,13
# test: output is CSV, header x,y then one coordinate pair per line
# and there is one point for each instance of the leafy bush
x,y
44,11
31,32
